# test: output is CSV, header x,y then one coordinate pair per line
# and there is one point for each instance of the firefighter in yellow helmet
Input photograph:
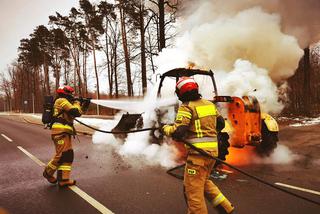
x,y
65,109
197,121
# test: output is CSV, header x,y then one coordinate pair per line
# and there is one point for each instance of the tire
x,y
268,141
223,145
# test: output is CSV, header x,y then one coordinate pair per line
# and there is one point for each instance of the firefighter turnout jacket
x,y
200,116
61,133
64,113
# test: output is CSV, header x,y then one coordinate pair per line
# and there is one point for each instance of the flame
x,y
241,156
237,156
180,151
191,65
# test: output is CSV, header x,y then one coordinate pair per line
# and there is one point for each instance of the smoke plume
x,y
217,35
281,155
298,18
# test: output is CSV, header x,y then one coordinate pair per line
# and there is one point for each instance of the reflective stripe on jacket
x,y
201,117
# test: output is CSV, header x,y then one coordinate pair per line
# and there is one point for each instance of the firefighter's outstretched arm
x,y
84,103
180,126
72,109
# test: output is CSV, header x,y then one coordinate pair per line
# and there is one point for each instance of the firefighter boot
x,y
49,171
225,207
51,179
64,180
66,183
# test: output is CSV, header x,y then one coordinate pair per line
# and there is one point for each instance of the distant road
x,y
106,183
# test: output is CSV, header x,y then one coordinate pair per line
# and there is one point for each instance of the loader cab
x,y
205,79
167,84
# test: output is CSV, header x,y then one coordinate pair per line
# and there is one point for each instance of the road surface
x,y
105,183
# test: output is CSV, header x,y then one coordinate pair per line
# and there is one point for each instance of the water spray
x,y
116,132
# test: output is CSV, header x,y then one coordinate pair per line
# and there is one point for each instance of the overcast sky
x,y
18,18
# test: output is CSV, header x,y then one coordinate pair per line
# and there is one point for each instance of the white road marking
x,y
90,200
7,138
39,162
298,188
75,189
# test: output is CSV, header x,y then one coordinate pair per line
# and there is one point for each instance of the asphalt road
x,y
121,188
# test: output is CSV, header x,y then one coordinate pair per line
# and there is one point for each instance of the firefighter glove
x,y
85,102
180,133
166,130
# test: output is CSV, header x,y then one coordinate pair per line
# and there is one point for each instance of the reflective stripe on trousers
x,y
64,167
218,199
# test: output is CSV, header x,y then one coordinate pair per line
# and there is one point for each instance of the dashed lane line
x,y
75,189
7,138
90,200
298,188
39,162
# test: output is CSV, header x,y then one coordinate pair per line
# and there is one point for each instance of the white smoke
x,y
133,150
137,145
212,40
253,35
281,155
136,149
248,79
104,138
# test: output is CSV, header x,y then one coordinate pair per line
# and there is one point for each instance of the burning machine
x,y
245,124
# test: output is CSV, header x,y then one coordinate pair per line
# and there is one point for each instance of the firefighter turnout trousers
x,y
63,158
197,186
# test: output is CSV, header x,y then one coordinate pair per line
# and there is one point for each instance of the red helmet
x,y
68,90
186,84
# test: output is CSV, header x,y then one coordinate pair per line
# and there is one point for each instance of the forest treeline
x,y
304,86
129,35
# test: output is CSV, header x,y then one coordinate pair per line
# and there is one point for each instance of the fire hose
x,y
202,152
205,154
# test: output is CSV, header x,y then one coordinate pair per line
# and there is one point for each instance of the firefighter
x,y
198,121
65,109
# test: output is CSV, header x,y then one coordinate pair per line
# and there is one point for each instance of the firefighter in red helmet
x,y
65,109
198,121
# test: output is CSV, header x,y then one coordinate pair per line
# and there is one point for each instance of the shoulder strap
x,y
54,117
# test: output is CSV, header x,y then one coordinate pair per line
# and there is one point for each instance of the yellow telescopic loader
x,y
245,123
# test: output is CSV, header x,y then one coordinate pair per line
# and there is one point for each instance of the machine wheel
x,y
223,145
268,141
